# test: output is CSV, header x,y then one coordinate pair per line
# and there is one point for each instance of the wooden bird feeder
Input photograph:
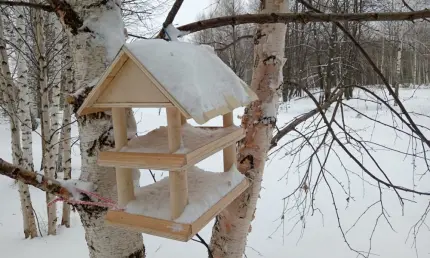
x,y
179,77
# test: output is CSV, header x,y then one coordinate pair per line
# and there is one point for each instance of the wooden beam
x,y
164,160
133,105
229,153
172,229
124,176
177,179
183,120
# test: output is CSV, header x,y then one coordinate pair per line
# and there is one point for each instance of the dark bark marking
x,y
249,161
271,57
103,2
138,254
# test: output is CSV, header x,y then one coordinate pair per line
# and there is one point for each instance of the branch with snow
x,y
173,33
170,17
40,181
78,97
66,190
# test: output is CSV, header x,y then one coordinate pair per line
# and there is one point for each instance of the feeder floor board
x,y
209,194
151,151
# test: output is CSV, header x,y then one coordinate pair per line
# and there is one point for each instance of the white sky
x,y
187,14
189,11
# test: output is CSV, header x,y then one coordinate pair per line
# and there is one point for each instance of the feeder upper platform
x,y
158,73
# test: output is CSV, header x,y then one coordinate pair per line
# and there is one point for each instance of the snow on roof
x,y
193,74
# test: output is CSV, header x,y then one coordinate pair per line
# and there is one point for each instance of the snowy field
x,y
321,236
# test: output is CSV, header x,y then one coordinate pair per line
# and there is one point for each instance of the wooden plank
x,y
148,225
218,207
161,161
91,110
229,153
207,150
132,105
106,78
124,176
178,184
183,120
157,83
171,229
131,85
168,161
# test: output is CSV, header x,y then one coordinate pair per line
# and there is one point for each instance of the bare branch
x,y
43,7
377,71
302,119
301,18
170,16
234,42
40,181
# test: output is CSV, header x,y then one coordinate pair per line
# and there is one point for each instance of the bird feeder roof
x,y
159,73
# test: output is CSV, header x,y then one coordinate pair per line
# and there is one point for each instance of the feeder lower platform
x,y
209,194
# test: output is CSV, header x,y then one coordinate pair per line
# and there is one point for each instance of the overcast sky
x,y
189,11
187,14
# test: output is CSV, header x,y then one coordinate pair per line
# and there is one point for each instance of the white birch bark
x,y
24,92
230,231
48,155
55,66
415,77
398,67
9,96
66,132
92,52
383,54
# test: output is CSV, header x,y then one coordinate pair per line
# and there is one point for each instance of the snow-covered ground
x,y
269,238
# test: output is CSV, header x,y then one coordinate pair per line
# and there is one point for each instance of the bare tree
x,y
21,153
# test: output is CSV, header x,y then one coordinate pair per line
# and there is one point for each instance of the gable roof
x,y
159,73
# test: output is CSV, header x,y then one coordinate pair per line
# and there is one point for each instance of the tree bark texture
x,y
9,91
230,232
48,150
90,48
66,131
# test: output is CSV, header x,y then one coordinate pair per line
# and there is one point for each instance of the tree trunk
x,y
55,66
26,125
66,132
415,76
48,154
258,121
93,48
9,96
398,67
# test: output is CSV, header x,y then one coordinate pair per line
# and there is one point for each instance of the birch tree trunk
x,y
66,131
230,231
24,92
415,75
398,67
55,66
9,96
94,46
48,155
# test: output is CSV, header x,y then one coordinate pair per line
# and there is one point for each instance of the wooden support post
x,y
229,153
177,179
183,120
124,176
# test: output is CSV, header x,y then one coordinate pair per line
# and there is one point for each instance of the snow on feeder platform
x,y
209,193
190,81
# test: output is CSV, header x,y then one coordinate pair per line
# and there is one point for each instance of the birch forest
x,y
325,86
